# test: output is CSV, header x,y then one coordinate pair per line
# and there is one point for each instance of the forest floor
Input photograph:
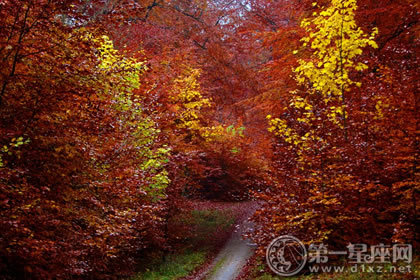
x,y
229,262
211,246
216,250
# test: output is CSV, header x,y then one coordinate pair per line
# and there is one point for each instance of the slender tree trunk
x,y
15,57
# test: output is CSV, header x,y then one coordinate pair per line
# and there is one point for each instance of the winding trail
x,y
228,263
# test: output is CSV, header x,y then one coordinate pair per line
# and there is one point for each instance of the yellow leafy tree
x,y
317,111
336,40
123,75
186,92
189,103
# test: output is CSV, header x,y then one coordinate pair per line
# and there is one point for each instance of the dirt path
x,y
229,262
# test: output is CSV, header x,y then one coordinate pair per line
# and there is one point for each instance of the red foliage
x,y
73,203
75,198
360,187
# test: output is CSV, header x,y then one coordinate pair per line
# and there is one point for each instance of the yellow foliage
x,y
380,107
280,128
336,40
122,75
189,102
186,92
118,66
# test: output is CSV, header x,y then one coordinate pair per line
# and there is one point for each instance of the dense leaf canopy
x,y
113,114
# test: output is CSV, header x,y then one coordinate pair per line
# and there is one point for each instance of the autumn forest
x,y
132,131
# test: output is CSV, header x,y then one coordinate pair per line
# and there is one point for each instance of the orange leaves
x,y
360,186
76,191
118,142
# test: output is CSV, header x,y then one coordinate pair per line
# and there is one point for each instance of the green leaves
x,y
14,143
233,131
123,76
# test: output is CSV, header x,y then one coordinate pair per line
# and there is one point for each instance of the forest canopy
x,y
115,114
